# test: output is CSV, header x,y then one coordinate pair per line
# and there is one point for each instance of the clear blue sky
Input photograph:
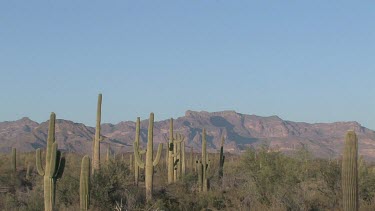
x,y
311,61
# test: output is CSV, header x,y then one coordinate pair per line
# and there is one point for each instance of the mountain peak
x,y
25,120
241,131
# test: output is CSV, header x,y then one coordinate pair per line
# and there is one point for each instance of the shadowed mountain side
x,y
241,131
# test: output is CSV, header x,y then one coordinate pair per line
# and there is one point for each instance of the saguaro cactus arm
x,y
137,158
158,155
175,154
61,165
39,165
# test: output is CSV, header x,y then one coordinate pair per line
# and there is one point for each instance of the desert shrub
x,y
110,185
295,182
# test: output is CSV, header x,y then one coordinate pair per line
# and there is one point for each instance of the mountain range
x,y
241,131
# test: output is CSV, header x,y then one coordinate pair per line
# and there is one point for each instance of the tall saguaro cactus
x,y
191,159
222,158
14,160
136,148
131,162
96,143
84,184
150,163
203,165
54,166
183,165
177,142
350,173
172,154
107,158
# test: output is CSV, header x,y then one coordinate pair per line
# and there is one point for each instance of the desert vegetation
x,y
176,179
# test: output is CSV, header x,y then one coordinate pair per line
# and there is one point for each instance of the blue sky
x,y
311,61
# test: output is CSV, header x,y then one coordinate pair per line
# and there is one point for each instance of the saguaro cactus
x,y
140,152
222,158
199,168
107,158
84,184
203,164
172,154
28,171
54,166
14,160
350,173
177,142
97,138
131,162
191,159
183,165
150,163
196,163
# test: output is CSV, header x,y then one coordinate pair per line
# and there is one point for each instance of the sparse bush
x,y
257,180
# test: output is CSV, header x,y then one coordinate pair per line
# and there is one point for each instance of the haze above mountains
x,y
241,131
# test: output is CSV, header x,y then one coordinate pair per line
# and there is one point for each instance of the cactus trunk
x,y
14,160
350,173
131,162
136,167
96,150
200,174
108,155
28,171
191,159
170,153
171,159
175,162
204,164
84,184
149,170
179,164
222,159
183,165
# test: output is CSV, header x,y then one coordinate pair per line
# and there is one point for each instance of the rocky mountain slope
x,y
241,131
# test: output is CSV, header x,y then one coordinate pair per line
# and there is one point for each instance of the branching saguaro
x,y
150,163
350,173
137,149
54,167
84,184
97,138
172,154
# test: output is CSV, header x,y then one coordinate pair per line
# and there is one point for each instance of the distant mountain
x,y
241,131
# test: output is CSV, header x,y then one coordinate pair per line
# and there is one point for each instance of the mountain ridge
x,y
241,131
